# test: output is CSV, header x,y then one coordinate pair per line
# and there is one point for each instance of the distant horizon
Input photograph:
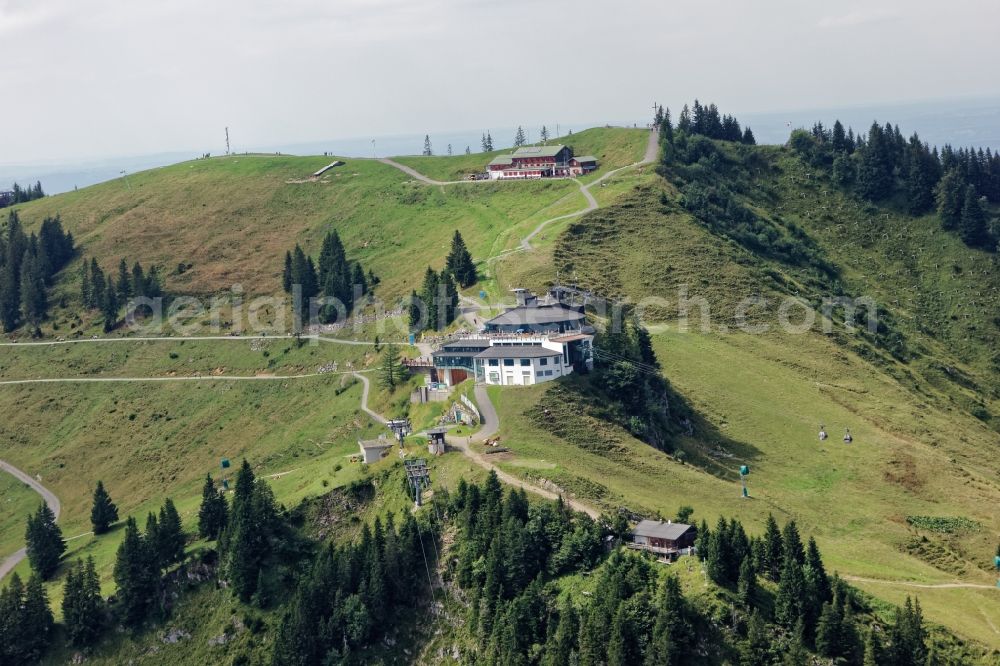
x,y
769,127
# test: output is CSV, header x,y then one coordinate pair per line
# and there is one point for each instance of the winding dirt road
x,y
47,495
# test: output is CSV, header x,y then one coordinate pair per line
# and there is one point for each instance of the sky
x,y
100,78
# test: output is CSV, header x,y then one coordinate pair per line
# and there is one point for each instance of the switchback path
x,y
366,387
490,425
47,495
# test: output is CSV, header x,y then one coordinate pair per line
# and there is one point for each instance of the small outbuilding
x,y
664,539
435,441
373,450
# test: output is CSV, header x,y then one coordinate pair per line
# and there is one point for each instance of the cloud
x,y
858,17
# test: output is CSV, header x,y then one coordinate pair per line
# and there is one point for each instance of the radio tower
x,y
227,141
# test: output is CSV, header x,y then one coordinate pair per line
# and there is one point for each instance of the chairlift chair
x,y
847,436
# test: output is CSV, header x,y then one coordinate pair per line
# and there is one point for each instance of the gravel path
x,y
47,495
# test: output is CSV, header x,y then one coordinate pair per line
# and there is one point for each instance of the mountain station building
x,y
540,162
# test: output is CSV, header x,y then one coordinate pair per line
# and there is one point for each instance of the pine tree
x,y
519,138
391,370
875,173
489,143
33,301
449,150
428,151
110,309
124,282
756,649
774,554
950,199
414,313
82,605
136,574
544,134
448,307
828,631
972,227
429,294
791,589
35,619
747,584
103,511
213,511
170,538
672,630
44,542
873,649
85,288
748,137
246,541
459,262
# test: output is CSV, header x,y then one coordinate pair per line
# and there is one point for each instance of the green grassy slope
x,y
16,501
925,429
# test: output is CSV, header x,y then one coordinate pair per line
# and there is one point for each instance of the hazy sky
x,y
92,78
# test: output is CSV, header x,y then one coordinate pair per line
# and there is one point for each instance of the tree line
x,y
109,294
28,266
505,559
436,306
337,277
702,120
18,194
956,183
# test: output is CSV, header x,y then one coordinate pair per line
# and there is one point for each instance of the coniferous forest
x,y
498,566
28,266
332,276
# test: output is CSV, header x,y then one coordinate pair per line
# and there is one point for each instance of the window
x,y
526,362
508,362
494,378
543,361
494,362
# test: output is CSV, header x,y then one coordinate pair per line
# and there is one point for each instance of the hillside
x,y
921,395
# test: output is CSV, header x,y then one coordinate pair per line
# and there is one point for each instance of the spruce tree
x,y
459,262
36,620
103,511
428,151
544,134
44,542
972,227
171,534
950,198
747,584
791,590
391,370
774,554
489,142
124,282
429,294
85,289
449,304
33,300
414,313
82,606
110,309
519,137
136,574
213,511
